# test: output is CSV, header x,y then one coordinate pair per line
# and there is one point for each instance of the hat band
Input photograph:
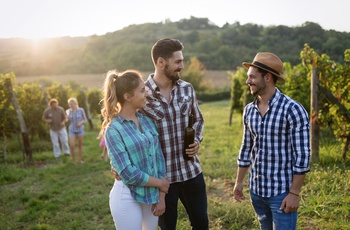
x,y
258,64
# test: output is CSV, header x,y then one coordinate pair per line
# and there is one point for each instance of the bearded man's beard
x,y
172,75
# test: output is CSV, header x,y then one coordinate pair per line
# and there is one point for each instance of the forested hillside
x,y
218,48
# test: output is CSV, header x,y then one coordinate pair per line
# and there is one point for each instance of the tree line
x,y
218,48
333,97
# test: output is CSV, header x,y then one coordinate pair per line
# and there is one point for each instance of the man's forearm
x,y
241,172
297,183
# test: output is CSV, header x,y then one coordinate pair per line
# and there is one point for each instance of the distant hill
x,y
218,48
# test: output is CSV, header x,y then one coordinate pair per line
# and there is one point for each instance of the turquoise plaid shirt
x,y
136,155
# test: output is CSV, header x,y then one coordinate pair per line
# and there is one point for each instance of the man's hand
x,y
164,185
193,150
160,183
238,192
290,203
159,208
115,174
48,120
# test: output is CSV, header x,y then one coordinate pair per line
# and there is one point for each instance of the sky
x,y
37,19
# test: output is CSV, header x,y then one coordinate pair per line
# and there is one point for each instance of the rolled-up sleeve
x,y
300,139
244,153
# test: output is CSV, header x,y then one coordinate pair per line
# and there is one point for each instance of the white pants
x,y
56,138
127,213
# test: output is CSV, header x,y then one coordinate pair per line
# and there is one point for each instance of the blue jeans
x,y
269,214
193,196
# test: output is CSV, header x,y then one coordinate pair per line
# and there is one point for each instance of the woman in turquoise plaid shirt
x,y
133,147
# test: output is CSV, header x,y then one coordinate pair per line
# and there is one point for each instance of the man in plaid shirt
x,y
170,101
275,146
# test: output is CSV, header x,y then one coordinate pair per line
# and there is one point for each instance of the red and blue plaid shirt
x,y
171,118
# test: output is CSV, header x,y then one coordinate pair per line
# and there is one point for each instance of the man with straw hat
x,y
275,146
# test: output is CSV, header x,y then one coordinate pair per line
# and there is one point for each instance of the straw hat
x,y
269,62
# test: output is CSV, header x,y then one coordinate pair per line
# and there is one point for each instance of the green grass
x,y
56,194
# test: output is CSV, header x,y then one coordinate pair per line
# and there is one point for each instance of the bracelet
x,y
294,194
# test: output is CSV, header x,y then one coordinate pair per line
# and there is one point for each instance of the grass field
x,y
50,194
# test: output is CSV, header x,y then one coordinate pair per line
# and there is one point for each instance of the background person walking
x,y
55,116
76,118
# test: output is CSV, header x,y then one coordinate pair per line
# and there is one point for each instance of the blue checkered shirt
x,y
136,155
275,146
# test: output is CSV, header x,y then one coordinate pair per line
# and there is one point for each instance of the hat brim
x,y
247,65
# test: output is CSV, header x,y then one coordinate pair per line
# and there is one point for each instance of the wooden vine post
x,y
43,89
314,123
88,113
22,123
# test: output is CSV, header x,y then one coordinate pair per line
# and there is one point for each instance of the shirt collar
x,y
121,119
154,85
275,97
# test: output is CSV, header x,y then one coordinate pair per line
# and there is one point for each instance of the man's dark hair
x,y
165,48
264,72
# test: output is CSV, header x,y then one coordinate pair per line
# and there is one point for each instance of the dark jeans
x,y
193,196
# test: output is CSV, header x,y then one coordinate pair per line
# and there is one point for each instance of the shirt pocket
x,y
184,103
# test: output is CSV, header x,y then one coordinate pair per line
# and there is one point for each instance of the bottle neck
x,y
190,121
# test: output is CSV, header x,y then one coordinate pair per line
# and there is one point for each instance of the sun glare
x,y
37,43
